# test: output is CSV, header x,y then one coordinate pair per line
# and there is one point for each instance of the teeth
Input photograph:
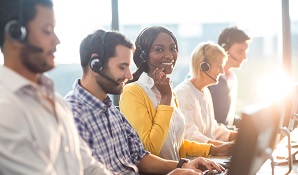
x,y
168,63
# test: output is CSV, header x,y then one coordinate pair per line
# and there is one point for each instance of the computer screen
x,y
290,107
256,139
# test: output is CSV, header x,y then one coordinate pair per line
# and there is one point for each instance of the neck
x,y
15,64
199,83
90,85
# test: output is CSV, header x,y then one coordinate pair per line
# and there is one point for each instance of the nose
x,y
56,39
128,75
168,55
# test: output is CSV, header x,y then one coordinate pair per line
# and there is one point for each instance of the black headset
x,y
205,66
15,29
97,63
226,44
143,53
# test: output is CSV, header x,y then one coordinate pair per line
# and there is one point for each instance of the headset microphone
x,y
210,76
32,47
95,64
108,78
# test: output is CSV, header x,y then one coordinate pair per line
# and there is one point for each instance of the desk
x,y
265,169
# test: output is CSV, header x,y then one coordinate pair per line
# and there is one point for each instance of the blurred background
x,y
192,22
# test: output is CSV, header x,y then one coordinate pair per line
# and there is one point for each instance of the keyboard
x,y
207,172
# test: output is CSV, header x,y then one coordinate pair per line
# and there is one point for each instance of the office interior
x,y
270,69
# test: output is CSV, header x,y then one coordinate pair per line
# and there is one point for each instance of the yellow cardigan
x,y
152,125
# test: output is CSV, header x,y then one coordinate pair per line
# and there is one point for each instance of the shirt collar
x,y
89,99
19,82
146,81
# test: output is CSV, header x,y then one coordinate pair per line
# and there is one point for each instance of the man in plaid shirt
x,y
106,59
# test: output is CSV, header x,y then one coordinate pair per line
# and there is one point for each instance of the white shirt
x,y
170,149
35,139
197,108
232,83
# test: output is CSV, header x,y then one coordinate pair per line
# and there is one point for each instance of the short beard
x,y
109,87
33,62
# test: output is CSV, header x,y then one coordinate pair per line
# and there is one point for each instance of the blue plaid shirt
x,y
111,138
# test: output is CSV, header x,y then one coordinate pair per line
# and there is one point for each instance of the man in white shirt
x,y
38,135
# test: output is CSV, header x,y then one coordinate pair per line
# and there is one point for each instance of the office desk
x,y
280,150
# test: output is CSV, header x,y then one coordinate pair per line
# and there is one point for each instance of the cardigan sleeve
x,y
195,149
152,125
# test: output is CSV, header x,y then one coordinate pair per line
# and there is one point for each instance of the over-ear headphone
x,y
205,66
226,44
97,62
14,28
143,53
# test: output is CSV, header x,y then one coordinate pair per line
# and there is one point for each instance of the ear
x,y
94,55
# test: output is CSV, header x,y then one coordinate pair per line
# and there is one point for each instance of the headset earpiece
x,y
96,64
15,30
143,53
204,65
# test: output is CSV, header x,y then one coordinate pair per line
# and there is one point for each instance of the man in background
x,y
225,93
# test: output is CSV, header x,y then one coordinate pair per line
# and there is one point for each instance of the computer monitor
x,y
290,108
256,139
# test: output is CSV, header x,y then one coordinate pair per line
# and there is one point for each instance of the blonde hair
x,y
212,51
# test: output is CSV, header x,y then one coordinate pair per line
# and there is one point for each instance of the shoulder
x,y
182,88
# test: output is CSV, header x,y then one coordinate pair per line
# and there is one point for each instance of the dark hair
x,y
144,41
230,36
20,10
93,43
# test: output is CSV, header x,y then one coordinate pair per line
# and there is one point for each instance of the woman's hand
x,y
163,85
222,150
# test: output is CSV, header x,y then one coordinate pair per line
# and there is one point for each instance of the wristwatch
x,y
182,161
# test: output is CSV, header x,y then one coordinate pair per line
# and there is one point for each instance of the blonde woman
x,y
208,60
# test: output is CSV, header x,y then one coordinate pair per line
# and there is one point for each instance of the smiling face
x,y
163,53
40,34
117,68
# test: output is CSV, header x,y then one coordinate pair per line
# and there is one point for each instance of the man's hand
x,y
184,171
203,164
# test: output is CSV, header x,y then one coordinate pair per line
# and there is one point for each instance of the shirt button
x,y
66,149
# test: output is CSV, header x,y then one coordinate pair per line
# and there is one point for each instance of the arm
x,y
154,164
195,149
152,125
193,119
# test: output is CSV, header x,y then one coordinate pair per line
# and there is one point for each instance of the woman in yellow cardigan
x,y
149,104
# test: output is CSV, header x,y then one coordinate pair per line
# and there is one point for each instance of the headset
x,y
205,66
97,62
18,32
15,29
143,53
227,42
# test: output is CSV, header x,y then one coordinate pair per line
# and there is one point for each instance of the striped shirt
x,y
111,138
